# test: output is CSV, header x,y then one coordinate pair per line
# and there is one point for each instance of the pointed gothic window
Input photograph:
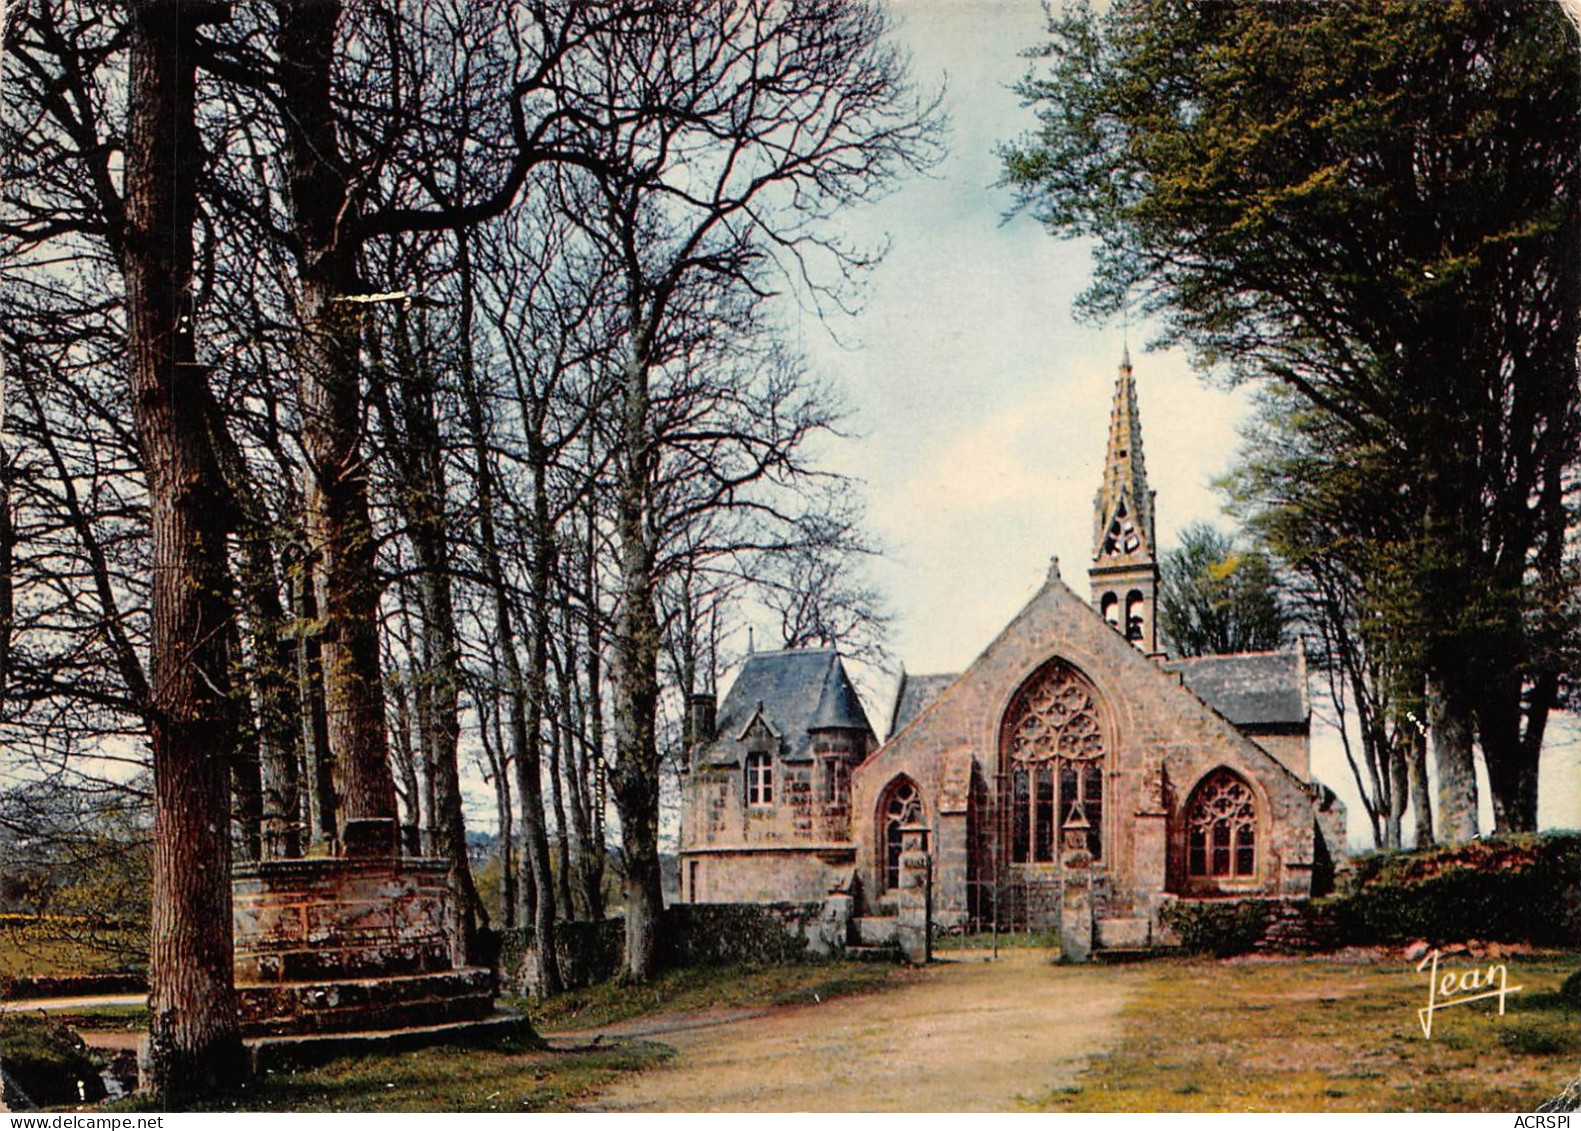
x,y
1053,751
1221,829
903,802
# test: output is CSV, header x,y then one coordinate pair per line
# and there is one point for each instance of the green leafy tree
x,y
1215,598
1324,513
1377,205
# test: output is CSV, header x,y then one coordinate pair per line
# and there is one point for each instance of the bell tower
x,y
1124,569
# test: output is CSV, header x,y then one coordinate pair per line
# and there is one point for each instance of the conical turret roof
x,y
839,707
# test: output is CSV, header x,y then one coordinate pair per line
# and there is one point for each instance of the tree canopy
x,y
1216,599
1375,204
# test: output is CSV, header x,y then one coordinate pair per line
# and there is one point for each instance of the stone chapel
x,y
1071,761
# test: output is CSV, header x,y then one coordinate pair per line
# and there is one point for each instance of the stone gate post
x,y
1075,913
915,929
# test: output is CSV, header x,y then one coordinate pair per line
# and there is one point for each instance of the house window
x,y
760,778
1221,827
836,783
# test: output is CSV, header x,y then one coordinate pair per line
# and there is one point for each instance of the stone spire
x,y
1123,509
1124,570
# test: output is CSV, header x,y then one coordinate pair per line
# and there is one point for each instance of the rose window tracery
x,y
1056,717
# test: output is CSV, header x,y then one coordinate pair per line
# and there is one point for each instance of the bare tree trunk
x,y
524,705
493,737
575,760
275,702
562,848
1421,794
1511,761
246,762
193,1037
418,456
340,527
635,781
530,767
7,542
1452,753
564,775
592,758
278,708
404,756
323,821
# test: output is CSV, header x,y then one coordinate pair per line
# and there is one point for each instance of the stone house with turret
x,y
1073,775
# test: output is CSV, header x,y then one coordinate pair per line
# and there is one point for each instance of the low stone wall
x,y
721,934
1227,927
588,953
71,985
694,934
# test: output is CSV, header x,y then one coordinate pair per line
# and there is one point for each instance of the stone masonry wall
x,y
333,917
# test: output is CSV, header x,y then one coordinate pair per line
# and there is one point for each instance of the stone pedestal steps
x,y
343,955
365,1004
303,1050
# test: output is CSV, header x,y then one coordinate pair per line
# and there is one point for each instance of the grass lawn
x,y
37,952
510,1076
1005,940
1322,1035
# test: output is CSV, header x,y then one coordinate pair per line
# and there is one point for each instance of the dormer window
x,y
760,779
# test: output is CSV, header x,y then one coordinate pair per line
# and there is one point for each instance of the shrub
x,y
1520,889
1571,990
48,1062
1218,927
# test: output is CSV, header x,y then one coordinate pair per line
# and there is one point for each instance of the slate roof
x,y
914,695
798,690
1252,690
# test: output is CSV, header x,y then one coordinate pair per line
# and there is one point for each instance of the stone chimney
x,y
704,711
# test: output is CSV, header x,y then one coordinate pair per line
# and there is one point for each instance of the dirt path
x,y
963,1036
55,1004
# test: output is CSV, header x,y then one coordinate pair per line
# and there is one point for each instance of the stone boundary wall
x,y
70,985
589,952
1226,927
694,934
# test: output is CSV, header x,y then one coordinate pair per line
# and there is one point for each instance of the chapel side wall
x,y
755,877
1294,751
720,816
